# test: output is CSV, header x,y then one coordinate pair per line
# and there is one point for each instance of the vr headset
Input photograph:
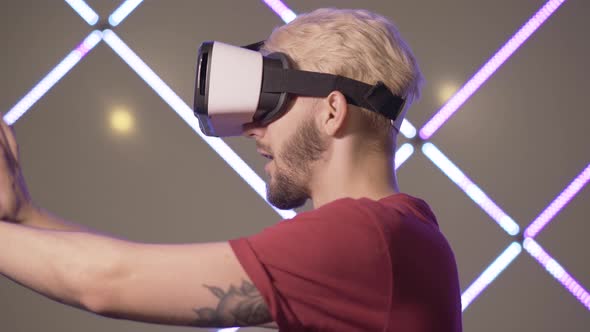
x,y
238,85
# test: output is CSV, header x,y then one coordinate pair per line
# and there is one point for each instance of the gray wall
x,y
522,138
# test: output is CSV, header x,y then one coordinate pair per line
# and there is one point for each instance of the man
x,y
367,258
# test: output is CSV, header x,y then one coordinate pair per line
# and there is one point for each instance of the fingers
x,y
7,138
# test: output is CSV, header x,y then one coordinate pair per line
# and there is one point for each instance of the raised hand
x,y
15,201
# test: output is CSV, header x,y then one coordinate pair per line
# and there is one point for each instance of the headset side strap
x,y
377,98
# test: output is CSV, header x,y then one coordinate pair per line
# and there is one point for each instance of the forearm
x,y
60,265
197,284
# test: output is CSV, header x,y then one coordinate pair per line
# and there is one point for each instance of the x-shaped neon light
x,y
512,251
106,33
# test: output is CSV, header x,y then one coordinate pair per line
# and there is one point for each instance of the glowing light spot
x,y
121,121
446,91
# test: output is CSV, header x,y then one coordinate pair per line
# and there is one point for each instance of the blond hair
x,y
357,44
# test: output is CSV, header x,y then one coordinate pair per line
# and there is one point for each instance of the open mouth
x,y
265,154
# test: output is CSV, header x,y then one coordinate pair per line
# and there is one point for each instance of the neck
x,y
348,174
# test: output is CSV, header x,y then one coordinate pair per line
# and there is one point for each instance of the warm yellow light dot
x,y
446,91
121,121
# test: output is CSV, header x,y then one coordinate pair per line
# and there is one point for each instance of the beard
x,y
288,188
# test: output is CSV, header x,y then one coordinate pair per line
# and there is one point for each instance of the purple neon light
x,y
489,68
557,271
562,200
281,9
56,74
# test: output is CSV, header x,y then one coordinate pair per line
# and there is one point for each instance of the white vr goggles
x,y
238,85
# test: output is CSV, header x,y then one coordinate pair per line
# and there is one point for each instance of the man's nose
x,y
253,129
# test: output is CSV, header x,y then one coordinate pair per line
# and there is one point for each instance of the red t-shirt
x,y
356,265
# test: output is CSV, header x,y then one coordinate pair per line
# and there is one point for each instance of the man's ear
x,y
333,118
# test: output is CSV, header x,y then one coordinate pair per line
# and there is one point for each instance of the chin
x,y
286,199
288,205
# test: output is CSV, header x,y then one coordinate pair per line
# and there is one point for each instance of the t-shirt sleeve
x,y
319,269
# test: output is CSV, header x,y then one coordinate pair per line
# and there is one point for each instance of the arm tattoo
x,y
238,306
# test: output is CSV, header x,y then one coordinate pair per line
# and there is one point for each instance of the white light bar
x,y
82,8
186,113
56,74
402,154
286,14
490,274
123,11
408,129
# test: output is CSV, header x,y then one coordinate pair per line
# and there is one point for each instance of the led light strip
x,y
489,68
82,8
56,74
470,188
408,129
402,154
286,14
541,221
186,113
490,274
545,217
123,11
562,200
557,271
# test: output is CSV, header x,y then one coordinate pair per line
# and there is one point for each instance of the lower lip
x,y
267,166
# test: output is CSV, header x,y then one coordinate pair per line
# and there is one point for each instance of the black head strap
x,y
377,98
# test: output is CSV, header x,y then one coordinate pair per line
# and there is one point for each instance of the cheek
x,y
277,128
277,135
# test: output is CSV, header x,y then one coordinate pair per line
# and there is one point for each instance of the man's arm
x,y
189,284
192,284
